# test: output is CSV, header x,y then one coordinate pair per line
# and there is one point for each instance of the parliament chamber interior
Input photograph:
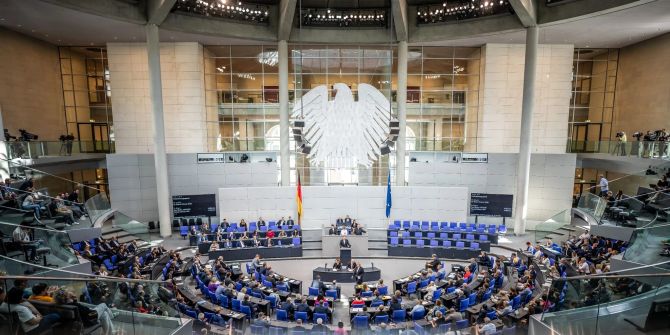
x,y
296,167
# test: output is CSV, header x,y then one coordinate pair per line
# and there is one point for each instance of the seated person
x,y
332,230
21,235
32,321
433,262
243,224
40,293
338,264
260,222
290,221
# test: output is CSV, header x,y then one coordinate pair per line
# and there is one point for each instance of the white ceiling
x,y
63,26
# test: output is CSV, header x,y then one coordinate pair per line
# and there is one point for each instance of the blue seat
x,y
332,294
282,287
462,324
384,290
418,315
460,244
443,328
276,331
420,243
418,234
406,242
516,302
282,315
394,241
446,243
502,229
223,301
257,330
381,319
433,243
376,303
313,291
246,310
470,237
434,225
457,236
109,265
191,313
360,322
302,316
462,225
405,224
444,224
367,294
236,305
486,296
272,300
405,234
321,316
212,297
424,225
183,231
492,315
472,298
399,315
474,245
463,305
393,234
444,235
411,287
437,294
296,241
483,238
430,235
424,283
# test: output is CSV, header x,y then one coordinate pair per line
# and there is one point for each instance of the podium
x,y
345,256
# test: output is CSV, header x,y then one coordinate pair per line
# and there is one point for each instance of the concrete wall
x,y
322,205
132,180
502,89
550,189
30,86
642,101
182,76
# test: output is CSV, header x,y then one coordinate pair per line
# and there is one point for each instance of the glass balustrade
x,y
650,244
37,149
53,247
622,303
97,206
554,223
631,148
121,306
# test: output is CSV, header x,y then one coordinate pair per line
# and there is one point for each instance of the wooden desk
x,y
206,306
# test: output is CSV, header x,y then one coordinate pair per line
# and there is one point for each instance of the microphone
x,y
373,264
325,266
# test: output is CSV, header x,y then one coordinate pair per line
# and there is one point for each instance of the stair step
x,y
569,228
127,239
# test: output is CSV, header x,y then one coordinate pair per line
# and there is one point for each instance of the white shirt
x,y
604,185
344,232
584,267
488,329
19,235
538,254
25,315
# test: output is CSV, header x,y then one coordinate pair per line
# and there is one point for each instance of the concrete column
x,y
284,151
525,145
160,157
401,101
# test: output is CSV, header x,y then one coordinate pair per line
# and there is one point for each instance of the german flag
x,y
298,199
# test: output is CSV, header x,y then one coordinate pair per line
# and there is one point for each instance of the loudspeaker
x,y
298,124
385,150
394,124
297,131
297,137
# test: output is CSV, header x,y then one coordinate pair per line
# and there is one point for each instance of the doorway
x,y
585,137
93,137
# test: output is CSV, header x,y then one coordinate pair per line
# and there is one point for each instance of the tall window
x,y
87,96
592,100
442,90
242,95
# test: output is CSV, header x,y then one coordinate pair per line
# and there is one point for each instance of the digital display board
x,y
484,204
194,205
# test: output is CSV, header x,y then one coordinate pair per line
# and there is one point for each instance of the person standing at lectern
x,y
344,243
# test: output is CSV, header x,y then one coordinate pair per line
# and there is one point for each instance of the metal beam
x,y
399,13
286,15
107,8
158,10
526,12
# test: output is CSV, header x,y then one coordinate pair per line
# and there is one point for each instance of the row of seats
x,y
394,241
251,227
443,236
447,226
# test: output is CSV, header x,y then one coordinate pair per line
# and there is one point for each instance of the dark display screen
x,y
194,205
484,204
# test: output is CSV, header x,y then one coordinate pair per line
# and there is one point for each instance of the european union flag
x,y
388,196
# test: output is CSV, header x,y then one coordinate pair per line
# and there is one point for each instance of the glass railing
x,y
97,206
622,303
36,149
592,205
631,148
554,223
123,306
134,227
34,244
650,244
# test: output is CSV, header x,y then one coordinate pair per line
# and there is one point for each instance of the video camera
x,y
26,136
64,138
619,134
638,135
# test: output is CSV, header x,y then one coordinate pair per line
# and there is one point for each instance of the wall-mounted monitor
x,y
484,204
193,205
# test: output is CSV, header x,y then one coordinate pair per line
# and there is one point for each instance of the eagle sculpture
x,y
344,133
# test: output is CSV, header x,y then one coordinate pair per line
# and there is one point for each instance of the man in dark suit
x,y
380,312
339,221
395,305
344,243
347,220
359,230
281,221
289,307
358,273
320,308
303,306
290,221
433,263
332,230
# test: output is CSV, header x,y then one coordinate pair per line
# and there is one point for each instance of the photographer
x,y
635,146
620,148
661,137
